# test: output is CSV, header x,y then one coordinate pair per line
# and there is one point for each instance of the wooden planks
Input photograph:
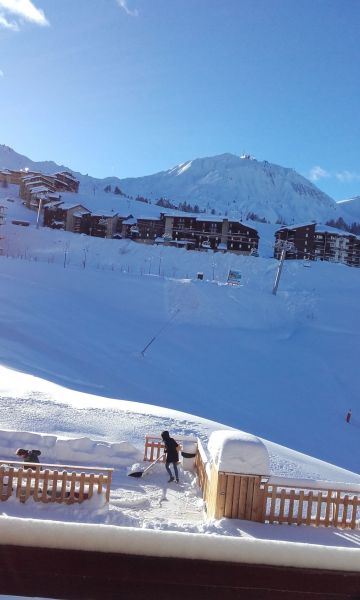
x,y
47,485
309,507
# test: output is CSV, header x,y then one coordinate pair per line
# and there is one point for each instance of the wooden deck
x,y
77,575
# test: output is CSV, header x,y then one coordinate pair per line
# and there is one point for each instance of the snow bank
x,y
81,451
238,452
314,484
143,542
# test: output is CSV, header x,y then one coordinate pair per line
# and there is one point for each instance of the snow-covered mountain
x,y
350,208
238,186
225,184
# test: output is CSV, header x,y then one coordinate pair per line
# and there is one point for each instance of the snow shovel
x,y
141,473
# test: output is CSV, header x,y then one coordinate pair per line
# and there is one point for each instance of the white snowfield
x,y
76,314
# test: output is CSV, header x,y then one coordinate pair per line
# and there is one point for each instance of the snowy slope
x,y
280,367
73,427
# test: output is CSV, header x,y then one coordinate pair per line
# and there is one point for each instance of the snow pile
x,y
81,451
238,452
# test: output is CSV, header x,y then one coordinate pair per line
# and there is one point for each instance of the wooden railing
x,y
154,446
53,483
256,498
320,507
200,467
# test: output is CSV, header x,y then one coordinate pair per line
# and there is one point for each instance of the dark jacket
x,y
172,454
32,456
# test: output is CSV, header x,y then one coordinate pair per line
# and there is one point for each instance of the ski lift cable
x,y
175,313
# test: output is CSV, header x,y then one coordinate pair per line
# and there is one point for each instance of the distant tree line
x,y
183,206
340,224
108,189
251,216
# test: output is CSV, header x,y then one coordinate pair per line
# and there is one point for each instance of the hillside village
x,y
308,241
133,321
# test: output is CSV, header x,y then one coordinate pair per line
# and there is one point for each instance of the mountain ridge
x,y
226,184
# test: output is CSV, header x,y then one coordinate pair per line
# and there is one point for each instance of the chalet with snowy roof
x,y
211,232
311,241
14,177
69,217
37,196
239,237
60,182
66,182
30,185
102,225
193,232
31,178
151,228
130,228
179,226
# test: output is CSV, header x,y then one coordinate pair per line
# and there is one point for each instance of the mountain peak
x,y
237,185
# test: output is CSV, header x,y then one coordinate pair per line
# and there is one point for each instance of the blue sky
x,y
132,87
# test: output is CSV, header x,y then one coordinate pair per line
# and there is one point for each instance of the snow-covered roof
x,y
211,219
80,213
319,228
238,452
104,215
68,206
327,229
33,176
149,218
131,221
53,204
297,226
66,174
39,188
